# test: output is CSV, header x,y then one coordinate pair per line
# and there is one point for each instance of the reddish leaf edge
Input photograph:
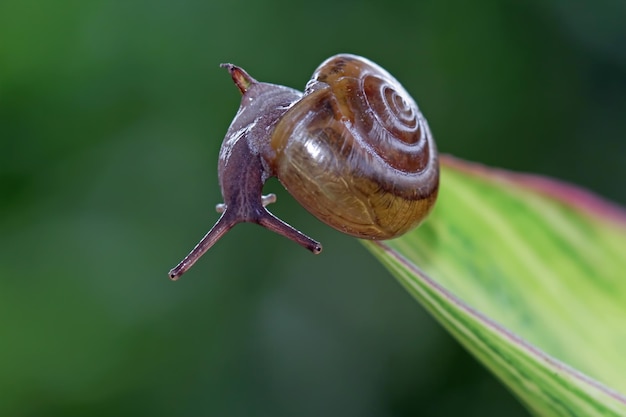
x,y
514,338
580,199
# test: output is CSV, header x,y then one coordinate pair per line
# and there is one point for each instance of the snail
x,y
353,149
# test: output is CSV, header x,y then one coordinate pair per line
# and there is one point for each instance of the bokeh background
x,y
111,117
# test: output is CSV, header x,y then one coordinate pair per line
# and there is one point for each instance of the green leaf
x,y
529,275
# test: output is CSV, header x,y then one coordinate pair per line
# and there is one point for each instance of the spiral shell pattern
x,y
357,152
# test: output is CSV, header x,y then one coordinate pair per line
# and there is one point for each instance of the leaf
x,y
529,275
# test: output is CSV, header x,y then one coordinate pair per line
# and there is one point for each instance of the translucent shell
x,y
356,151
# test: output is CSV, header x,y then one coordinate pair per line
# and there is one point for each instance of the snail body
x,y
353,149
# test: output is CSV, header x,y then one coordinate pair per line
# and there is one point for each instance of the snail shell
x,y
354,150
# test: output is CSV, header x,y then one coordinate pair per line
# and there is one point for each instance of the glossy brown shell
x,y
356,151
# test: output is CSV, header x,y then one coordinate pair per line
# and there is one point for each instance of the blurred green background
x,y
111,117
